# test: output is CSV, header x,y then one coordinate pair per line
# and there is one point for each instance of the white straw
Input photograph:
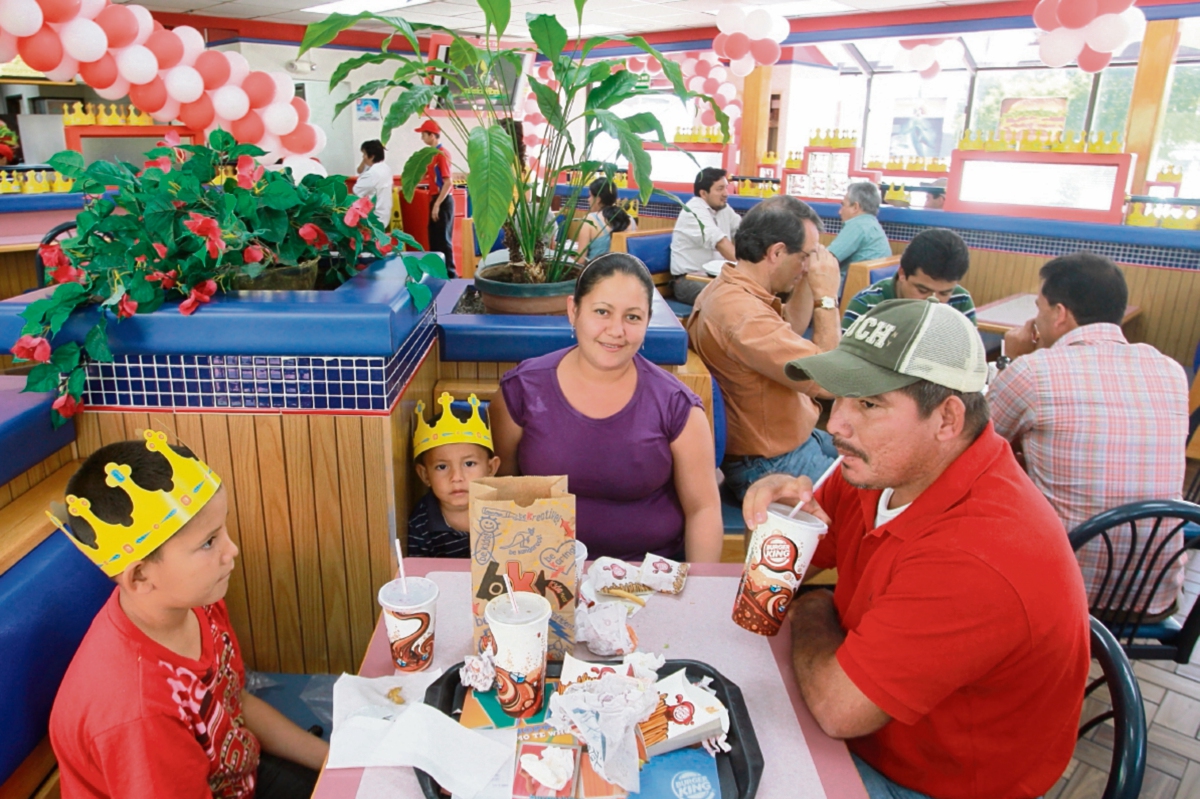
x,y
820,482
400,560
512,594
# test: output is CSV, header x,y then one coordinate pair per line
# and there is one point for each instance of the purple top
x,y
620,469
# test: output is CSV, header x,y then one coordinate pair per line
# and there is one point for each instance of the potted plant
x,y
578,104
192,221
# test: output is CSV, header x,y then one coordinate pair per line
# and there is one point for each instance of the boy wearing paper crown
x,y
154,701
449,455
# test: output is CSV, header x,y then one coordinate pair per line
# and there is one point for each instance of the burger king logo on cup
x,y
779,553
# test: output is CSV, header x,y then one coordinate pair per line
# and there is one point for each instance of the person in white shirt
x,y
703,238
375,180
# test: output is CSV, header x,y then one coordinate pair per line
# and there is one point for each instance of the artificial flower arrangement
x,y
185,224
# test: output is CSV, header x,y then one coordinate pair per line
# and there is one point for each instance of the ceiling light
x,y
800,8
358,6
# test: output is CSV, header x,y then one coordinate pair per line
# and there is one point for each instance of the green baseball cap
x,y
895,344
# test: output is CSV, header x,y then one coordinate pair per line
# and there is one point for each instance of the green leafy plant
x,y
579,104
190,222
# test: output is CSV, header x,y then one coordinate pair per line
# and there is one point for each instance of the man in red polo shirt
x,y
954,651
439,185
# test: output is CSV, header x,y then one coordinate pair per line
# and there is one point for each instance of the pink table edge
x,y
1131,311
832,760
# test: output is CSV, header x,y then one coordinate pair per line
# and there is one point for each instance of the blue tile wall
x,y
223,383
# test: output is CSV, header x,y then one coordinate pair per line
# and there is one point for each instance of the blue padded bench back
x,y
47,602
653,250
718,411
882,272
26,436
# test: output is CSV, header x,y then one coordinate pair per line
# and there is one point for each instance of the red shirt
x,y
438,171
134,719
967,623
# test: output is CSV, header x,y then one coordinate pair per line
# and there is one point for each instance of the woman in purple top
x,y
633,441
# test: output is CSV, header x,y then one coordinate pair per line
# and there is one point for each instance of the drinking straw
x,y
400,560
820,482
512,594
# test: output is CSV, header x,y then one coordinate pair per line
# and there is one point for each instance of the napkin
x,y
604,629
604,713
352,693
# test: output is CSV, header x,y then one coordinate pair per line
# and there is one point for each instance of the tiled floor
x,y
1171,693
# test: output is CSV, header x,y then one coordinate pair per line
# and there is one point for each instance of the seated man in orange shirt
x,y
954,651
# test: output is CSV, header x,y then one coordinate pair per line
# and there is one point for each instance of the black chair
x,y
1193,490
1128,715
1131,579
55,233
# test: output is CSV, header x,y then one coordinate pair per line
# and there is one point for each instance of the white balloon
x,y
696,83
728,91
949,52
903,60
66,70
8,47
20,17
743,66
193,43
758,24
285,90
732,111
136,63
1107,33
302,166
83,40
781,28
730,19
710,57
239,68
167,113
119,89
145,23
1060,46
720,74
184,84
688,66
280,118
1135,18
230,102
922,57
90,9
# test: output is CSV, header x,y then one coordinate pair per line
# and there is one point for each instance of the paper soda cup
x,y
779,553
410,617
520,639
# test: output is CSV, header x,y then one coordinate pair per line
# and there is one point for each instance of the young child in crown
x,y
448,455
154,701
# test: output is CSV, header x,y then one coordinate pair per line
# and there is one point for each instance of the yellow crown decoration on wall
x,y
138,117
35,183
448,429
157,515
78,114
111,115
9,184
61,185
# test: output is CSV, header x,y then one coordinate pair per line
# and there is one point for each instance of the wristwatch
x,y
828,303
1002,363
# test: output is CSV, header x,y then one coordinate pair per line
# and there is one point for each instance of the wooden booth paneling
x,y
18,274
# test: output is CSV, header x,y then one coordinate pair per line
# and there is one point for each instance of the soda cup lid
x,y
801,519
420,591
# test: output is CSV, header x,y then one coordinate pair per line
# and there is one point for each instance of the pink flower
x,y
201,293
171,139
52,256
162,162
68,274
67,406
252,254
313,235
386,245
169,279
32,348
361,207
127,307
248,172
206,228
161,249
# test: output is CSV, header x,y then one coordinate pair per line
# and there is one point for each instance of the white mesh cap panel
x,y
947,350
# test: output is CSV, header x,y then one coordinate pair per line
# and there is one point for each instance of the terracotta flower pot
x,y
500,296
302,277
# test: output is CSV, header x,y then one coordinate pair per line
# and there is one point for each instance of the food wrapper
x,y
663,575
553,767
604,629
609,574
478,672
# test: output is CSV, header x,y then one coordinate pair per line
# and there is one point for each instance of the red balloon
x,y
1112,6
653,66
718,45
710,85
59,10
42,51
532,140
635,64
198,115
1045,15
1091,61
120,24
534,119
213,66
101,73
167,48
158,26
911,44
765,51
934,70
737,46
708,117
260,88
302,139
302,112
720,100
703,68
249,129
149,97
1076,14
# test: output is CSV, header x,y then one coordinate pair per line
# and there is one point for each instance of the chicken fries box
x,y
524,528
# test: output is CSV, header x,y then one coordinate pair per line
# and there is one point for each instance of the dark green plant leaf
x,y
343,70
421,295
645,122
322,33
221,139
66,357
68,162
463,54
141,291
413,101
490,180
579,4
36,311
433,263
96,343
549,36
547,100
68,295
631,147
497,13
406,29
76,382
614,89
362,91
280,195
412,265
43,377
414,170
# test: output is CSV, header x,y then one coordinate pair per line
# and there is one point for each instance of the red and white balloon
x,y
750,37
928,56
1087,32
119,50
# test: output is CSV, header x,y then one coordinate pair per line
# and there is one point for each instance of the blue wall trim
x,y
21,203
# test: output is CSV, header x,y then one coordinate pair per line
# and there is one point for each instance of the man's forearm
x,y
827,328
816,634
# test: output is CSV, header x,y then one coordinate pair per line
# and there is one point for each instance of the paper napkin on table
x,y
352,693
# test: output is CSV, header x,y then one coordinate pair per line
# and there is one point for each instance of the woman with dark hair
x,y
375,180
604,218
633,441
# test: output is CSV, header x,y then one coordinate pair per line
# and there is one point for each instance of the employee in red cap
x,y
441,210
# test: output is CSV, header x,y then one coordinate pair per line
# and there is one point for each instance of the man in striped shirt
x,y
931,266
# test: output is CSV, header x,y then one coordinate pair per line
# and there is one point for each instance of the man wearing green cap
x,y
953,653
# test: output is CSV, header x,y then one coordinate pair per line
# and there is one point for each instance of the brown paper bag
x,y
524,527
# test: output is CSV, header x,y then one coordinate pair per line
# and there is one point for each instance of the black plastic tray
x,y
739,770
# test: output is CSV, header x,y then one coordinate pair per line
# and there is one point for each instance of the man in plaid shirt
x,y
1102,422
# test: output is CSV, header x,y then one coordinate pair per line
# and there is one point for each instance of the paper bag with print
x,y
524,527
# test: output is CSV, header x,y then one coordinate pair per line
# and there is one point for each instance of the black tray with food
x,y
740,769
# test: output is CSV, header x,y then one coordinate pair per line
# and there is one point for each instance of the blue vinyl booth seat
x,y
654,250
882,272
26,436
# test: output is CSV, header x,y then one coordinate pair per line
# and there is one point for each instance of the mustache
x,y
843,447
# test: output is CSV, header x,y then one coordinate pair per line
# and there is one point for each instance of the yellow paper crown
x,y
448,429
157,515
